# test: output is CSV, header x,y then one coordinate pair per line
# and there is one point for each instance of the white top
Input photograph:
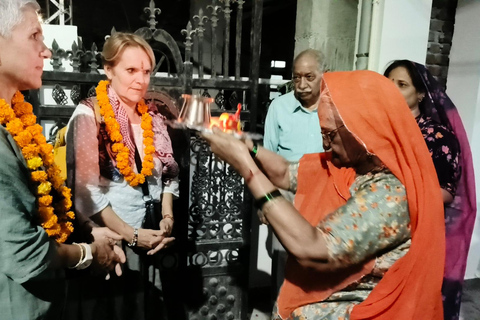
x,y
93,192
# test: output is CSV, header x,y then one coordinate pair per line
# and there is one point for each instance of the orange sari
x,y
373,109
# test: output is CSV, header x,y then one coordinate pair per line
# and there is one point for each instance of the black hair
x,y
414,75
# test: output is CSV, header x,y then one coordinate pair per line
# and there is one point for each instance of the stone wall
x,y
440,38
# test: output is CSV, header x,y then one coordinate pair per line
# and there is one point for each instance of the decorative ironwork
x,y
92,91
75,94
76,54
214,19
57,55
59,95
189,32
216,197
152,11
200,30
226,46
220,99
206,94
238,39
92,61
233,100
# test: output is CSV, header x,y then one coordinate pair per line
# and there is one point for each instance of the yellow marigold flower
x,y
29,119
34,163
39,176
44,188
45,201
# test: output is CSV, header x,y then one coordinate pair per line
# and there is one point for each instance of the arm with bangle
x,y
143,238
302,240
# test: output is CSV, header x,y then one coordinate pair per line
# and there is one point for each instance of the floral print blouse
x,y
374,222
445,151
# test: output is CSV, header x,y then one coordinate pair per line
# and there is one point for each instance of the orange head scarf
x,y
373,109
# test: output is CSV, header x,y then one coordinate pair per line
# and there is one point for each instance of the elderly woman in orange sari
x,y
365,233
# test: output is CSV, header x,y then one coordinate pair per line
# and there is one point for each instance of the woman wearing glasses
x,y
365,235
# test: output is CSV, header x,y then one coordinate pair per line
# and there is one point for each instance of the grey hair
x,y
316,54
11,14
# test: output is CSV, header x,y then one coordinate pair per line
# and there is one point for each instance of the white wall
x,y
463,87
399,31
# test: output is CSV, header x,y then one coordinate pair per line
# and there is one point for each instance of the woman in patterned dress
x,y
365,236
445,136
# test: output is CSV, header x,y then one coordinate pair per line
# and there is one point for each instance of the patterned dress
x,y
374,222
445,152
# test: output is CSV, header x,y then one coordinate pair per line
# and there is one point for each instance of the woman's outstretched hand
x,y
154,240
228,148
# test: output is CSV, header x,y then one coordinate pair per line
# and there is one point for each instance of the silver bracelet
x,y
134,239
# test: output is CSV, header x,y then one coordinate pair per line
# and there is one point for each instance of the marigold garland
x,y
53,197
122,151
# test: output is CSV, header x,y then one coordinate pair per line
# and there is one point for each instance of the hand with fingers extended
x,y
154,240
106,256
228,148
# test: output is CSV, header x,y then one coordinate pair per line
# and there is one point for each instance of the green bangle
x,y
254,151
267,197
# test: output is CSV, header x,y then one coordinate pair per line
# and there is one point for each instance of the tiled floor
x,y
470,309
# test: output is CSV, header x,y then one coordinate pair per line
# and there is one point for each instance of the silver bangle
x,y
82,256
134,239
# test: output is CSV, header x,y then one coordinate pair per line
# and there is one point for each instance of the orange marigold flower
x,y
45,213
30,151
17,97
148,134
40,139
45,201
15,126
70,215
23,139
36,129
23,109
29,119
149,150
39,176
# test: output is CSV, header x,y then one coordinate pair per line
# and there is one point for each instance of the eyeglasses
x,y
330,135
